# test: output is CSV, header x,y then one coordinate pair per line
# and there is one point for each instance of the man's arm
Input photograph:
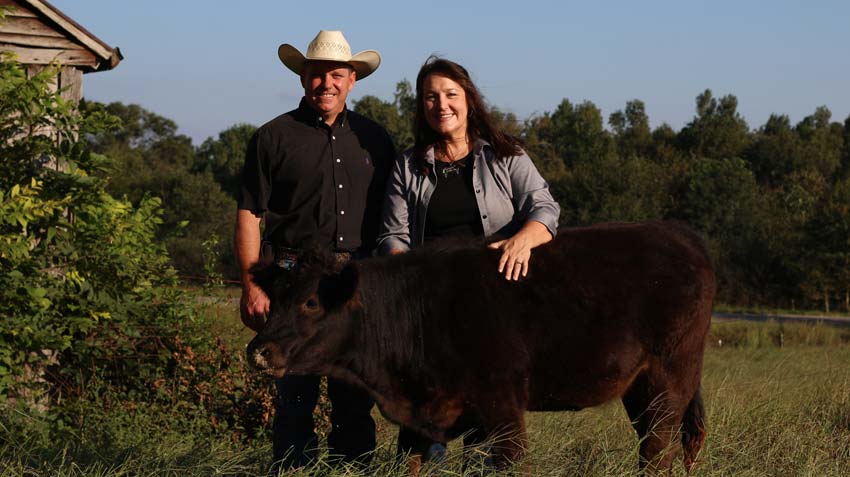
x,y
247,241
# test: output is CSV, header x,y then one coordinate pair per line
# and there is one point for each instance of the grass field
x,y
777,399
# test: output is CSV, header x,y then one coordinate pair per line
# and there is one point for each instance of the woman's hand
x,y
516,251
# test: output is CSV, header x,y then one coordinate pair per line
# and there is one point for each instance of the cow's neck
x,y
386,355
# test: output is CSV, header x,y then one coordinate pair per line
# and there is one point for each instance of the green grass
x,y
777,399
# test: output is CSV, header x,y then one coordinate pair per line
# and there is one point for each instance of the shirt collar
x,y
477,148
313,118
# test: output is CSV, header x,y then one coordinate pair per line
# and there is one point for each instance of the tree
x,y
775,151
717,131
631,129
396,117
223,157
845,150
826,251
721,199
541,151
613,188
149,159
821,143
576,133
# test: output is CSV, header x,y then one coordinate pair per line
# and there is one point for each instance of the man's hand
x,y
253,306
246,245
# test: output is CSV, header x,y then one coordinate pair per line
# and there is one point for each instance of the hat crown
x,y
329,44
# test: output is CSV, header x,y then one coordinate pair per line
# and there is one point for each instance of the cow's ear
x,y
265,275
337,289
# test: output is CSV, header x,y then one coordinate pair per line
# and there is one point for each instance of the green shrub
x,y
90,317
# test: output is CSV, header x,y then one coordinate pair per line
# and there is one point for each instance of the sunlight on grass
x,y
777,401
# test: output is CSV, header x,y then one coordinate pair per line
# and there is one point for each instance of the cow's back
x,y
621,297
597,304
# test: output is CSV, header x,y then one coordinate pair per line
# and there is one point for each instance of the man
x,y
315,175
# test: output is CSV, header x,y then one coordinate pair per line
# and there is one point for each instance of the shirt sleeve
x,y
531,196
395,218
383,157
255,188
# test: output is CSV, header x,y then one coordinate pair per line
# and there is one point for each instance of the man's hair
x,y
479,123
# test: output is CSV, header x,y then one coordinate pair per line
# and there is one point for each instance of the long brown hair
x,y
479,123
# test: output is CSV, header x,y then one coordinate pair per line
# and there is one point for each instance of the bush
x,y
90,317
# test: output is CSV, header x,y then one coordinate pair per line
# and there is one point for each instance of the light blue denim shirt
x,y
509,193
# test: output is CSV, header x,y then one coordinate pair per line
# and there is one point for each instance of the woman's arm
x,y
394,234
534,203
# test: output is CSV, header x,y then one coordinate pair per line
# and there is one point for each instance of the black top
x,y
317,184
453,209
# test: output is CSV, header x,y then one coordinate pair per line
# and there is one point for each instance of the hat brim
x,y
364,63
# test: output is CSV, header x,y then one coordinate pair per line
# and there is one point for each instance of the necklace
x,y
451,164
452,168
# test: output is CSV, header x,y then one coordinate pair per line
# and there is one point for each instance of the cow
x,y
444,343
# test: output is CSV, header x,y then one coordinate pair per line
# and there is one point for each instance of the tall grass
x,y
777,401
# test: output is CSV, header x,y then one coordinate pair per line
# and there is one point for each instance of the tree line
x,y
772,202
103,207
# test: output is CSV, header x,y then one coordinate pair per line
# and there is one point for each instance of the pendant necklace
x,y
452,168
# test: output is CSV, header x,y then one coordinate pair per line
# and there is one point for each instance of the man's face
x,y
326,85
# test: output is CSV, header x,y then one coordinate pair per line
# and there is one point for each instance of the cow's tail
x,y
693,431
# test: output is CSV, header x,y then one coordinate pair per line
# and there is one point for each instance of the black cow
x,y
443,342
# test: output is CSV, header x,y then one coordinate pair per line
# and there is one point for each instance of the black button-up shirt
x,y
317,184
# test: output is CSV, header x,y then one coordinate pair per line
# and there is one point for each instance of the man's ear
x,y
337,289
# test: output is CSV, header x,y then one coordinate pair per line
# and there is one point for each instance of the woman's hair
x,y
479,123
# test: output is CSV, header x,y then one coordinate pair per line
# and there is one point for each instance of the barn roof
x,y
39,33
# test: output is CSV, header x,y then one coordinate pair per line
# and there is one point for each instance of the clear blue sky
x,y
209,64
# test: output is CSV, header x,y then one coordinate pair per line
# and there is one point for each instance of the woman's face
x,y
445,106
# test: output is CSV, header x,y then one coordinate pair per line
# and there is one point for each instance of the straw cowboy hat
x,y
330,46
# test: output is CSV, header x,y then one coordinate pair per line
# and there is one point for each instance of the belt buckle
x,y
286,258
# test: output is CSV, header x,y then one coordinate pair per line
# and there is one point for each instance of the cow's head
x,y
308,323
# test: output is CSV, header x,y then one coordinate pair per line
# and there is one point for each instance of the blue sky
x,y
208,64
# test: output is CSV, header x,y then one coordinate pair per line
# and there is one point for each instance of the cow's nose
x,y
260,354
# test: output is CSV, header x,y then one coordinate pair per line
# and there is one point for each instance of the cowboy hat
x,y
329,46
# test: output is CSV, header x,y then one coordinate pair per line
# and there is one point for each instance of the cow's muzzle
x,y
265,356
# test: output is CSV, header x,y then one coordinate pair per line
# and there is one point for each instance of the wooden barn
x,y
38,33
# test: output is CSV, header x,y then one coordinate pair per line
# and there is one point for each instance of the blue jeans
x,y
352,435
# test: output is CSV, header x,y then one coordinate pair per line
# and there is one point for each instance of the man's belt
x,y
287,258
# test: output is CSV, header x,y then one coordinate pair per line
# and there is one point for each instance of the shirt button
x,y
477,191
483,216
333,138
340,186
338,160
341,212
340,238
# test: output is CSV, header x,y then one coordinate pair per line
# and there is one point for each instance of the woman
x,y
463,176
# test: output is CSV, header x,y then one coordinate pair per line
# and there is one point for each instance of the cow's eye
x,y
312,304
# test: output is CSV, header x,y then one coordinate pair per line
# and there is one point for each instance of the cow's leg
x,y
415,448
506,433
656,407
693,431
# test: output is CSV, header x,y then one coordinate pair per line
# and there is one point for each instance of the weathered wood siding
x,y
38,41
